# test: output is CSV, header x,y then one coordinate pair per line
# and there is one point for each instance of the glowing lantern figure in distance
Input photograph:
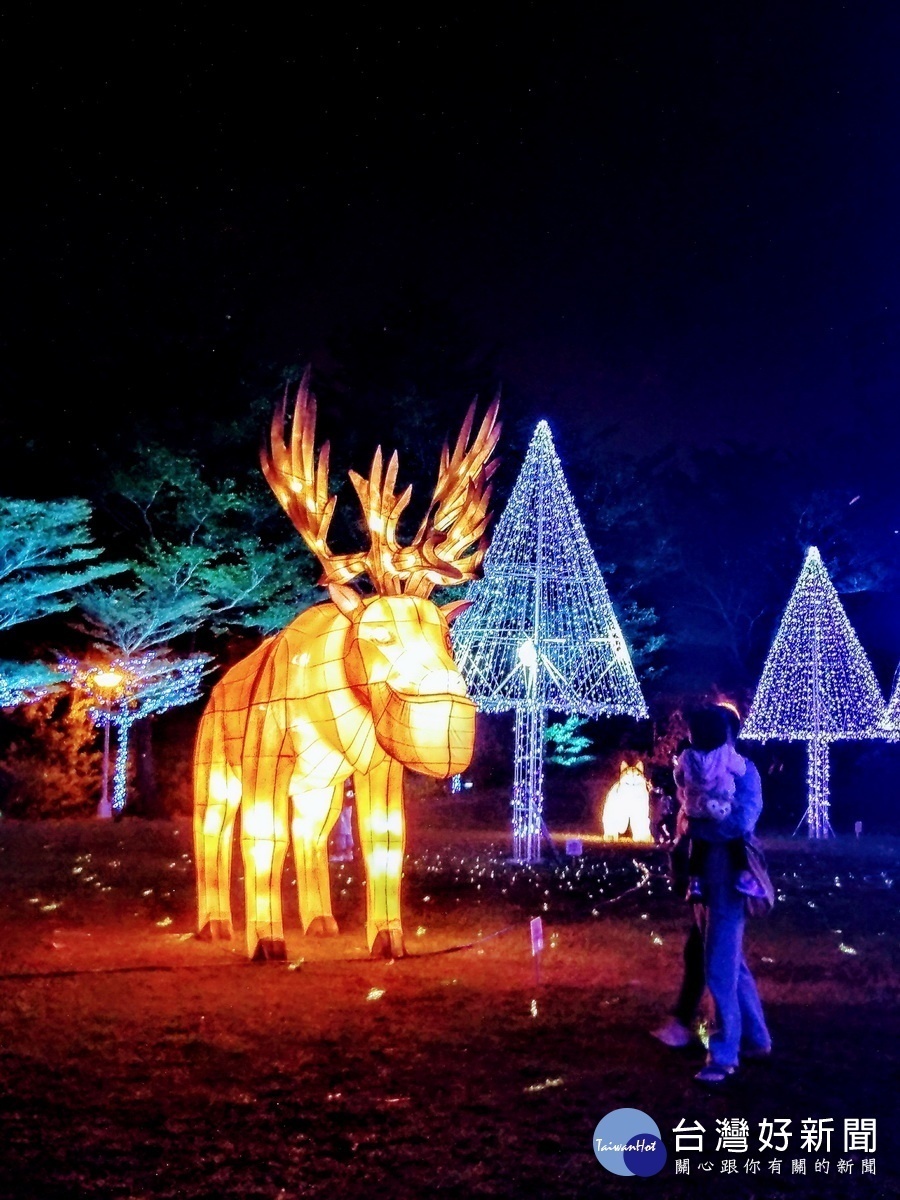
x,y
362,686
628,803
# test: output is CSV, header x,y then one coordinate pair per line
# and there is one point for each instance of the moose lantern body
x,y
358,686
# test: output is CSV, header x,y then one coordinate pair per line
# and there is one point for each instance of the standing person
x,y
678,1030
740,1026
706,774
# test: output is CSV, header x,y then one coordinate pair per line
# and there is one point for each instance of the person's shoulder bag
x,y
759,906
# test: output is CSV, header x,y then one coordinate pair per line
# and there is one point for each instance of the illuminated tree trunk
x,y
817,820
120,775
528,784
540,634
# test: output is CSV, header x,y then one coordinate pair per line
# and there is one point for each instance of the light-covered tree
x,y
817,684
124,691
541,633
47,557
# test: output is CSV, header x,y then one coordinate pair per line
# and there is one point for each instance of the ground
x,y
139,1062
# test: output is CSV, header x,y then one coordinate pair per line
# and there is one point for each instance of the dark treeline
x,y
699,546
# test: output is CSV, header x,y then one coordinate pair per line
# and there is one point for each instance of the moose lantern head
x,y
357,686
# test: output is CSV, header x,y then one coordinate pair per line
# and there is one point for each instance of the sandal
x,y
714,1073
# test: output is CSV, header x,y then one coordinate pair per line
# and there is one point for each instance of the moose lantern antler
x,y
361,686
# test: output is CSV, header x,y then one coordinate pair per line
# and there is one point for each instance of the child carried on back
x,y
705,775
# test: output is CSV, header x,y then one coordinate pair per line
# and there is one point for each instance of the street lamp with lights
x,y
105,685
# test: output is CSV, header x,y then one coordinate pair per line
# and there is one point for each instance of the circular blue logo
x,y
628,1142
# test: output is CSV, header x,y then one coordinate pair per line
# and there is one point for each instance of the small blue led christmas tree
x,y
541,633
817,684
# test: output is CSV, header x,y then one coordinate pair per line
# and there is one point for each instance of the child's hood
x,y
704,768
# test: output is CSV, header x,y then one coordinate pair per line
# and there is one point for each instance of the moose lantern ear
x,y
346,599
455,609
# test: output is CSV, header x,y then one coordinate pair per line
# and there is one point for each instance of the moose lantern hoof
x,y
270,950
216,931
389,944
322,927
357,686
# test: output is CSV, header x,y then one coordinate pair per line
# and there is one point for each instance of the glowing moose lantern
x,y
362,686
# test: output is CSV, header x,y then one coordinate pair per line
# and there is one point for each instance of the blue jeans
x,y
738,1012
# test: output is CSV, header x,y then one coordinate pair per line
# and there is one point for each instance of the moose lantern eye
x,y
381,637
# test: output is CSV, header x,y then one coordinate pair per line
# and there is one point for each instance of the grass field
x,y
139,1062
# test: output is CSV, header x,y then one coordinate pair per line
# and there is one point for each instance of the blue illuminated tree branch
x,y
817,684
541,633
47,555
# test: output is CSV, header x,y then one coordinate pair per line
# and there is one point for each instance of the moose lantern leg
x,y
213,844
264,836
218,785
382,835
315,813
264,841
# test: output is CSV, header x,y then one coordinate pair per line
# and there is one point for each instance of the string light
x,y
890,723
23,683
541,633
10,695
817,684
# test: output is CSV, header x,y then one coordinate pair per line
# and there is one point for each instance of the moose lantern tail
x,y
361,687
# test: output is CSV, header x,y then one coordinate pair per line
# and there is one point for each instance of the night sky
x,y
678,218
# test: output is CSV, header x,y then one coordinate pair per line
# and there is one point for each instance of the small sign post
x,y
537,947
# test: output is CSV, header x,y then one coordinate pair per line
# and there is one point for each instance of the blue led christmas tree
x,y
817,684
541,633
